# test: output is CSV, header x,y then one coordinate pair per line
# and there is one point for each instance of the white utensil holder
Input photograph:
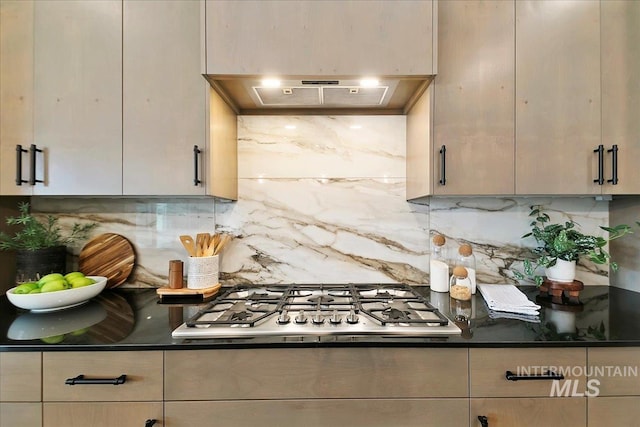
x,y
202,272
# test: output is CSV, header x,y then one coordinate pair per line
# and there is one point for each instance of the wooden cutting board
x,y
109,255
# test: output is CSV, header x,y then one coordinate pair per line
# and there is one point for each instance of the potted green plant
x,y
561,245
40,246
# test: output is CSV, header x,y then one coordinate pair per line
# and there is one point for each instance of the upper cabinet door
x,y
165,99
557,96
327,38
16,94
78,97
621,95
474,99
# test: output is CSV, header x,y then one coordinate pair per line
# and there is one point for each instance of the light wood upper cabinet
x,y
620,64
558,102
474,99
165,99
78,97
16,92
327,38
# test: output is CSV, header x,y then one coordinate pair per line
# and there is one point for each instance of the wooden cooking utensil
x,y
202,243
223,241
209,250
189,244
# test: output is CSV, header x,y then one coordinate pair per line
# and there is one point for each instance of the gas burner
x,y
260,296
384,294
321,299
394,314
240,316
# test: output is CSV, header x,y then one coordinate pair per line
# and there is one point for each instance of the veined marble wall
x,y
322,199
626,210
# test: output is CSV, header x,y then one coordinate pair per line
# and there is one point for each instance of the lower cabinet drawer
x,y
21,414
613,411
143,370
320,413
350,373
101,414
531,412
616,371
20,377
488,372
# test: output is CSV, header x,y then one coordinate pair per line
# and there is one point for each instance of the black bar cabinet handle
x,y
32,157
443,165
546,376
196,151
150,423
80,379
484,421
600,151
19,151
614,165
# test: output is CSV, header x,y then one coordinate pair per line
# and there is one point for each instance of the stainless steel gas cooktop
x,y
315,310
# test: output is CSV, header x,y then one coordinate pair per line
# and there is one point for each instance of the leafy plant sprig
x,y
564,241
38,235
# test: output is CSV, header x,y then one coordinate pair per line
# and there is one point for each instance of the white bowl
x,y
50,301
31,326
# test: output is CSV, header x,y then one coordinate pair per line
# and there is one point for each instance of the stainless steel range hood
x,y
319,95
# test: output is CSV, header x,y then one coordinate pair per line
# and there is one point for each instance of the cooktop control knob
x,y
301,318
284,318
317,318
335,318
352,317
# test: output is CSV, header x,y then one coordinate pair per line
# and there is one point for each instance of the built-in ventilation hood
x,y
319,95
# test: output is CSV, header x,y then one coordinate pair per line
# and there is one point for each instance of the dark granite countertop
x,y
133,319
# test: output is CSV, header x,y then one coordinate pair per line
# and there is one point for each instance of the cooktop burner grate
x,y
311,309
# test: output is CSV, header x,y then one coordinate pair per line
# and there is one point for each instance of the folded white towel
x,y
506,315
508,298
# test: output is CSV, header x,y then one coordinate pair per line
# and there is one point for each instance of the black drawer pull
x,y
614,165
32,157
600,151
80,379
484,421
196,178
443,165
547,376
150,423
19,151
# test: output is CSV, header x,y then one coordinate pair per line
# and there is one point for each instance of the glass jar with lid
x,y
459,284
467,259
438,266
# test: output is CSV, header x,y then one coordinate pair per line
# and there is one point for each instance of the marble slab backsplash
x,y
321,199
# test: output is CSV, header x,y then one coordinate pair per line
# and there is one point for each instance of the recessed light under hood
x,y
321,93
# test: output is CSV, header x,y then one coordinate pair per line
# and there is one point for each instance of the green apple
x,y
35,291
25,288
49,277
54,285
54,339
79,282
73,275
